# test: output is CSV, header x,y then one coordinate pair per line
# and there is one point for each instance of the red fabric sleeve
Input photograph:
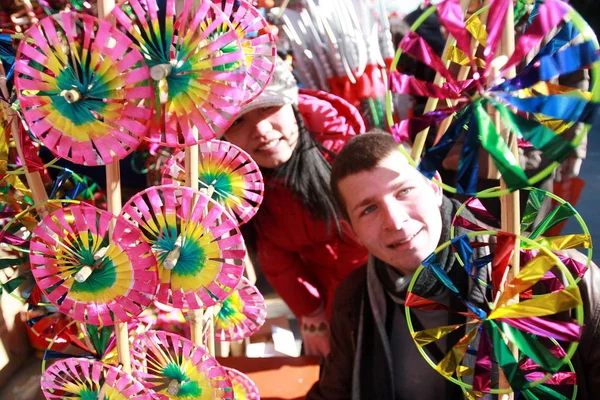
x,y
286,273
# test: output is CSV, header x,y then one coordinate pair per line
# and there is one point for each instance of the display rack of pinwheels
x,y
513,314
91,90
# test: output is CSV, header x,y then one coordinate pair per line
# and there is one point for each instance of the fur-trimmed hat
x,y
281,90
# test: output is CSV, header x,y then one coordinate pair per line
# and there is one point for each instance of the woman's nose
x,y
262,127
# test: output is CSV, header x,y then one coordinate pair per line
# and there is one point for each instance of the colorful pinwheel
x,y
466,311
571,50
199,248
83,88
243,387
89,273
197,64
227,172
241,314
534,225
80,378
176,368
258,44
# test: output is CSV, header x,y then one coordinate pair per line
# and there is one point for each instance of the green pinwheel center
x,y
191,258
93,90
220,181
103,277
227,310
88,394
187,387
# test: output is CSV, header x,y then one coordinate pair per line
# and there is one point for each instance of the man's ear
x,y
437,189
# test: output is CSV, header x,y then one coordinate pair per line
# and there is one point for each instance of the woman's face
x,y
269,135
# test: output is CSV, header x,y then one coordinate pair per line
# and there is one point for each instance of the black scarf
x,y
373,376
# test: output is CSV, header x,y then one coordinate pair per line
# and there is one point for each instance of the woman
x,y
301,247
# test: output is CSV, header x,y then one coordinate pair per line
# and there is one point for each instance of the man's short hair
x,y
361,153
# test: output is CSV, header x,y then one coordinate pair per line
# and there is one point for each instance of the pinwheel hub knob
x,y
160,71
71,95
173,388
173,256
84,273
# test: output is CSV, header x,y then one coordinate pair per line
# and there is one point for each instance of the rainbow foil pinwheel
x,y
540,104
176,368
539,313
536,228
80,378
241,314
197,66
83,89
225,171
198,246
90,272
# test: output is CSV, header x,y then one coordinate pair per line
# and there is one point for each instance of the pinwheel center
x,y
87,394
160,71
220,184
227,309
71,95
180,385
91,261
95,279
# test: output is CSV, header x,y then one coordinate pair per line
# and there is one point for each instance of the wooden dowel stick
x,y
114,203
509,204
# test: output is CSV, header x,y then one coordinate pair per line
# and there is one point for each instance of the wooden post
x,y
114,203
509,204
192,157
432,103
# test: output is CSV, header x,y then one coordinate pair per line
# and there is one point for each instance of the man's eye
x,y
369,210
405,191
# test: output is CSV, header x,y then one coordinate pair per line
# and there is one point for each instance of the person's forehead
x,y
391,171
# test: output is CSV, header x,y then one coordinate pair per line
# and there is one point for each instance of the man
x,y
401,217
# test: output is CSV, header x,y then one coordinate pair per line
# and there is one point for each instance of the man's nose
x,y
395,216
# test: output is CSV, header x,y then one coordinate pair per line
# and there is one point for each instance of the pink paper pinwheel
x,y
243,387
83,88
198,246
225,171
176,368
258,44
80,378
90,274
197,64
241,314
537,104
466,311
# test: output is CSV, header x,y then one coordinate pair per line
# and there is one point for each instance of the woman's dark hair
x,y
307,174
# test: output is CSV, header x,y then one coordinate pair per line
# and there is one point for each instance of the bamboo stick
x,y
510,203
114,203
192,157
432,103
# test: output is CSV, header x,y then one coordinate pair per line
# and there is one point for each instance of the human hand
x,y
569,168
315,333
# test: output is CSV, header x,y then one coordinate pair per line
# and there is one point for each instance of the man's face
x,y
394,211
269,135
